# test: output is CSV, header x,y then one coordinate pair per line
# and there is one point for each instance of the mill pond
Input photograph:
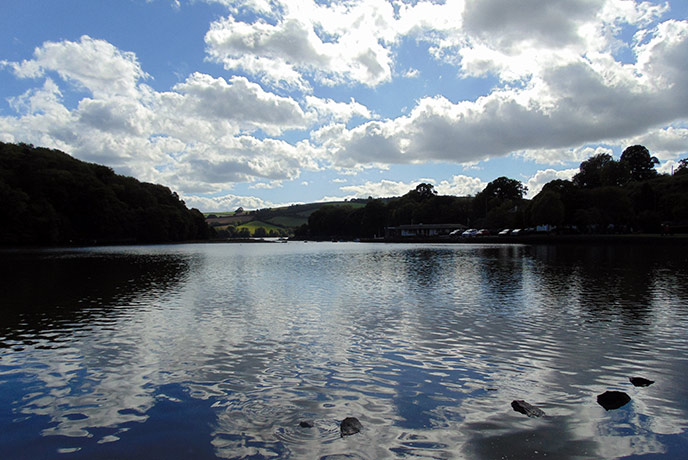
x,y
262,350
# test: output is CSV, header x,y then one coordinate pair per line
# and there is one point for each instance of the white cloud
x,y
194,138
461,186
239,102
298,41
204,168
225,202
542,177
267,185
327,109
563,108
92,64
412,73
381,189
562,92
562,156
664,143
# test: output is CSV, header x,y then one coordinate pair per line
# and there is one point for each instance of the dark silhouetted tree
x,y
504,188
503,195
639,163
591,171
547,208
424,191
49,197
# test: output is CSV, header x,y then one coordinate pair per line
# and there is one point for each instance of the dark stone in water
x,y
306,424
523,407
349,426
611,400
641,382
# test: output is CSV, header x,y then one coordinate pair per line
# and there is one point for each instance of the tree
x,y
426,190
373,219
501,193
591,171
422,192
504,188
49,197
547,208
330,220
682,168
640,165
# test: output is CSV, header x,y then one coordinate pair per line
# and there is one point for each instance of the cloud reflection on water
x,y
426,345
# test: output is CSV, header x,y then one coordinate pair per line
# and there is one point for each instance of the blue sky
x,y
260,103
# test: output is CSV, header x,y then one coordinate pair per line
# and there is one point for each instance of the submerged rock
x,y
641,382
349,426
523,407
611,400
306,424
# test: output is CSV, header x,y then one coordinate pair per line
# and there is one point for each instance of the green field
x,y
284,219
289,221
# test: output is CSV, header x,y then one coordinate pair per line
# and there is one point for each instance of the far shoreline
x,y
549,239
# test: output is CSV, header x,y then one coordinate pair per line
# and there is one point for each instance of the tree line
x,y
606,195
50,198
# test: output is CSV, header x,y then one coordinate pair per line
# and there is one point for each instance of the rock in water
x,y
349,426
523,407
611,400
306,424
641,382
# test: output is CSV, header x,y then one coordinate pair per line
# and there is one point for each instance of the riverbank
x,y
655,239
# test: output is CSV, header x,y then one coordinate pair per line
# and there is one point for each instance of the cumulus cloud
x,y
243,105
94,65
328,109
200,136
562,92
225,202
664,143
459,185
542,177
306,40
566,106
381,189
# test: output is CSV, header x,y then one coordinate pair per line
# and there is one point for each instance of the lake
x,y
221,350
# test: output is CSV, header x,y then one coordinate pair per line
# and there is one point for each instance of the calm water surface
x,y
219,351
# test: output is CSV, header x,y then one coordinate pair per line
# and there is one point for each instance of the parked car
x,y
504,232
483,232
516,232
469,232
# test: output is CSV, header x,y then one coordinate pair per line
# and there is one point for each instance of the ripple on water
x,y
426,345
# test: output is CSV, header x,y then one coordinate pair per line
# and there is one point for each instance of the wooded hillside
x,y
50,198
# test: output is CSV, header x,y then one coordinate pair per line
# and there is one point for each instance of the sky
x,y
262,103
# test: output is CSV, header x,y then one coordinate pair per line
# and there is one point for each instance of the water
x,y
219,351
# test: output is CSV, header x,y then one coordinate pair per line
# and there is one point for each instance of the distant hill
x,y
50,198
280,221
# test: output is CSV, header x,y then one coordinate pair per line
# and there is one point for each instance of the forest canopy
x,y
50,198
605,196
